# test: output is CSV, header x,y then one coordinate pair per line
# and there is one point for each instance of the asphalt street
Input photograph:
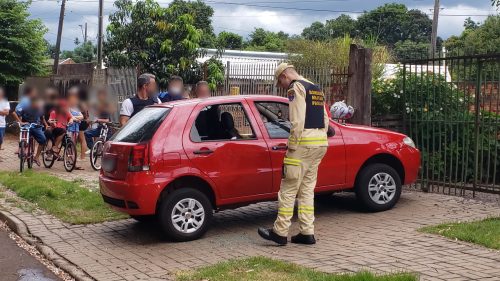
x,y
17,264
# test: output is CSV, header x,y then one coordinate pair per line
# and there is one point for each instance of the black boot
x,y
303,239
268,234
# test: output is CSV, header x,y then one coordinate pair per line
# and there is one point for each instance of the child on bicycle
x,y
73,104
29,111
102,111
59,118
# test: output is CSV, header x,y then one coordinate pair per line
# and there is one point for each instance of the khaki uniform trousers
x,y
300,172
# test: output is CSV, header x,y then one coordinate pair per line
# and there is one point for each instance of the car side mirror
x,y
331,132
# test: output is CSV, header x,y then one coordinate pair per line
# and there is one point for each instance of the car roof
x,y
223,99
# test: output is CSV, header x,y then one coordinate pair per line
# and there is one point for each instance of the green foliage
x,y
261,268
405,50
334,53
262,40
163,41
230,40
215,73
391,23
484,232
476,38
65,200
317,31
85,52
340,26
22,47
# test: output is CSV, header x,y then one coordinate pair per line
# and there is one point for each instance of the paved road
x,y
17,264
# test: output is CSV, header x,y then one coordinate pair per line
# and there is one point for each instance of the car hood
x,y
373,130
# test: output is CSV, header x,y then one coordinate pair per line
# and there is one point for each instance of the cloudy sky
x,y
239,16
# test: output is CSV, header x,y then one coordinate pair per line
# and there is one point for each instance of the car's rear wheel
x,y
378,187
185,214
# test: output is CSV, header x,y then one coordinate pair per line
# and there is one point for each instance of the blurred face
x,y
72,99
202,91
283,80
152,87
175,88
50,95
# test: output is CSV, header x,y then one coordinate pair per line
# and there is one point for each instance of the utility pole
x,y
85,36
432,49
59,34
100,36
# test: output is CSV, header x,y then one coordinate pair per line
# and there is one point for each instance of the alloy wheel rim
x,y
382,188
188,215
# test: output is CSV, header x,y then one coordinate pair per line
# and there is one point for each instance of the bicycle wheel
x,y
31,154
96,155
48,158
69,156
22,152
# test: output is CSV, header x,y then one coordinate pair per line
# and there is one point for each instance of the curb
x,y
20,228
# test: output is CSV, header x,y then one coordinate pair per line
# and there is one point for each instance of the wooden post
x,y
359,86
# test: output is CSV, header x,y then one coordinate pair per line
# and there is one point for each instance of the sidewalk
x,y
348,240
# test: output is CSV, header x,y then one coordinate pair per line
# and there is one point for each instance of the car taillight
x,y
139,158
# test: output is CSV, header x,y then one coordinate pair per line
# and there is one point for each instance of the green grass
x,y
261,268
66,200
485,232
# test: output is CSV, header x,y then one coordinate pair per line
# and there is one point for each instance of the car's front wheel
x,y
378,187
185,214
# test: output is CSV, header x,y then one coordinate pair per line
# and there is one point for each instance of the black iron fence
x,y
452,112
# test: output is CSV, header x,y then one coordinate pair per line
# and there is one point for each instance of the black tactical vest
x,y
139,104
315,105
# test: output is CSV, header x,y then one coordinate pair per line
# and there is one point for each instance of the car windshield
x,y
142,126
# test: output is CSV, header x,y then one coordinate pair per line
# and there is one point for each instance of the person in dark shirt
x,y
175,90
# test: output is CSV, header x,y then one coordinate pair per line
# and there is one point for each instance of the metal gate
x,y
452,112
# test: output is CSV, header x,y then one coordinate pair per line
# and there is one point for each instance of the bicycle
x,y
98,147
69,153
26,145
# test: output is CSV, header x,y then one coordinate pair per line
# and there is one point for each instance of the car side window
x,y
275,117
222,122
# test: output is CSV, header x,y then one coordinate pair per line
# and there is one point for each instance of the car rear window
x,y
142,126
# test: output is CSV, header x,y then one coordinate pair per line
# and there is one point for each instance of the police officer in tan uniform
x,y
307,145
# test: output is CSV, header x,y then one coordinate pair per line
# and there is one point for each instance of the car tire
x,y
185,214
378,187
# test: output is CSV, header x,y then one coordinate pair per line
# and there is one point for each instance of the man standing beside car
x,y
307,145
146,86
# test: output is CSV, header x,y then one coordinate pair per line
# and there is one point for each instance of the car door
x,y
235,156
275,125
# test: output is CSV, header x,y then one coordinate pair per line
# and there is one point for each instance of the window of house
x,y
222,122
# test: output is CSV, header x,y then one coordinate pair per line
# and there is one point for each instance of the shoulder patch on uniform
x,y
291,94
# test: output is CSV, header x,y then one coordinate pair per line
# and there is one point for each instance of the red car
x,y
182,160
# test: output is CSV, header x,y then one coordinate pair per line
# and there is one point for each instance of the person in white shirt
x,y
143,98
4,111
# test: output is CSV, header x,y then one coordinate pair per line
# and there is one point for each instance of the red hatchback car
x,y
182,160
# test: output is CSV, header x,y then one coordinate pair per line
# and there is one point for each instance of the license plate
x,y
108,164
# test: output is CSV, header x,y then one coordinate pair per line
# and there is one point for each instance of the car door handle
x,y
280,147
203,151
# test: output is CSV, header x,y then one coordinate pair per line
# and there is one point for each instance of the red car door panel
x,y
239,167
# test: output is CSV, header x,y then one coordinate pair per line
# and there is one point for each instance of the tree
x,y
470,24
404,50
495,3
391,23
229,40
263,40
22,47
316,31
85,52
485,38
341,26
202,15
50,50
163,41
